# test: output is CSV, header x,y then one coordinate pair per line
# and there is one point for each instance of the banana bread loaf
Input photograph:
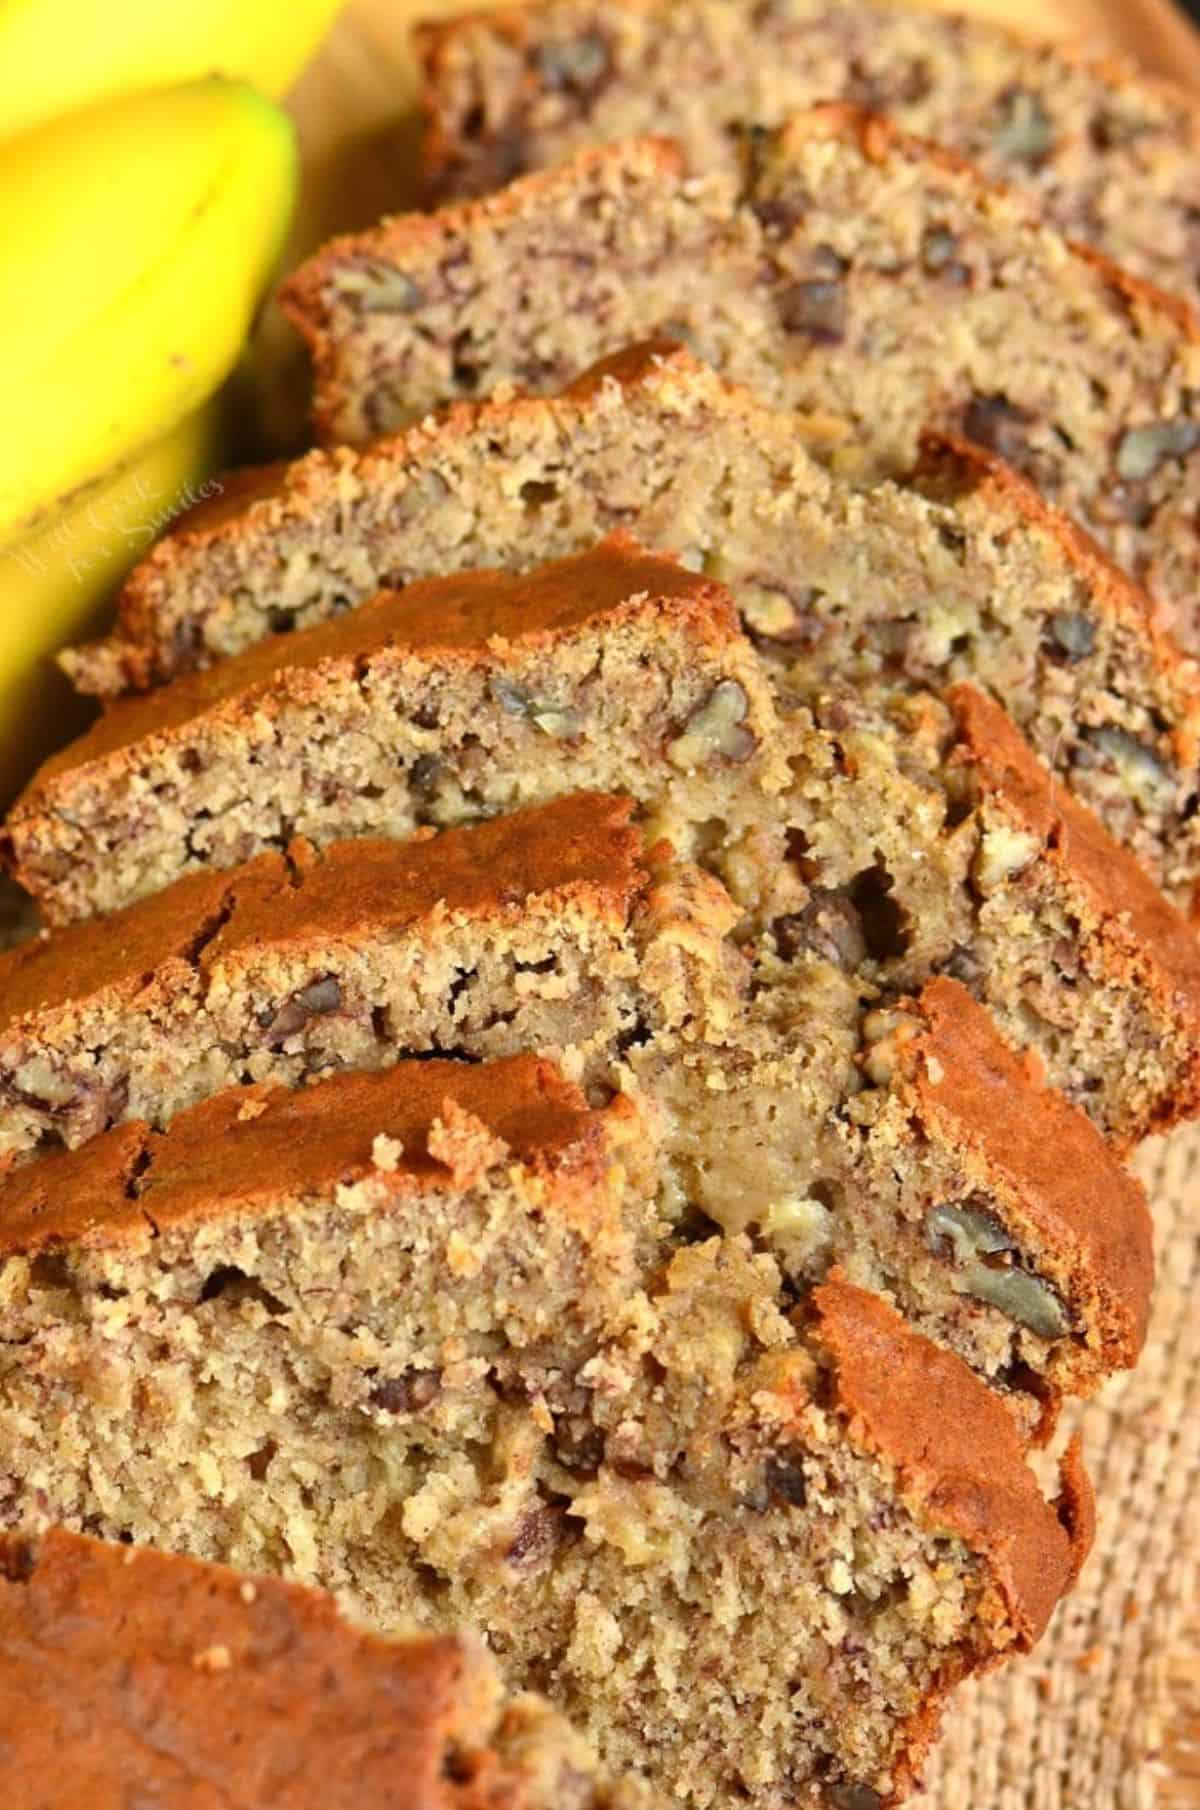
x,y
1112,158
847,271
341,1334
783,1084
135,1677
969,576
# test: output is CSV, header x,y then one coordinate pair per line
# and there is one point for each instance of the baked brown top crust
x,y
129,1676
1132,911
119,953
277,1142
631,366
468,615
584,843
252,1149
86,1195
956,1449
1024,1139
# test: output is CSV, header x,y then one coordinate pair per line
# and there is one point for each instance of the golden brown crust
x,y
1076,1506
254,1149
467,618
1032,1148
86,1195
235,491
248,1149
878,138
1142,933
117,955
130,1676
1137,292
955,1448
634,365
583,846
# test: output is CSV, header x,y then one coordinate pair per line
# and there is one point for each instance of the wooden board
x,y
355,110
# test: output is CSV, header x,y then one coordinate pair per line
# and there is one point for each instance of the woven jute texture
x,y
1085,1722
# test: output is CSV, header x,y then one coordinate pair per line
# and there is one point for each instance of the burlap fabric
x,y
1100,1717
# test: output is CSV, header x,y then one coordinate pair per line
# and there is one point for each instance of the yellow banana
x,y
53,584
138,239
58,55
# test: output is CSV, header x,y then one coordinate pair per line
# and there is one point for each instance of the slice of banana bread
x,y
970,575
555,931
456,698
930,840
340,1334
134,1677
849,271
1113,158
552,921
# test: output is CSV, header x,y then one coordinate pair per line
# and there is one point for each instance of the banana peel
x,y
60,55
55,584
138,241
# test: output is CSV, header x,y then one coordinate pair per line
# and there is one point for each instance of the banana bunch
x,y
145,205
57,56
